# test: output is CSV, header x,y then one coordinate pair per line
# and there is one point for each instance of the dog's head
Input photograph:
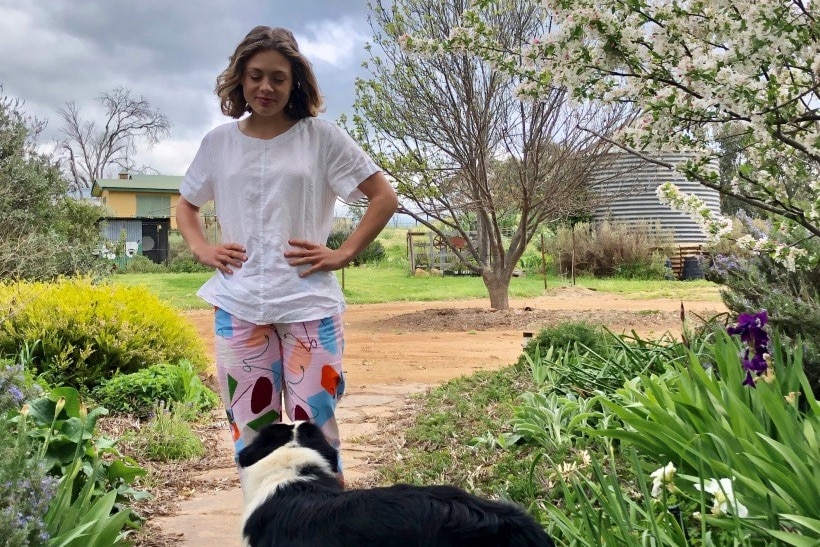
x,y
298,435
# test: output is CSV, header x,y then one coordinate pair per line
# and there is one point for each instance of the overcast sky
x,y
169,52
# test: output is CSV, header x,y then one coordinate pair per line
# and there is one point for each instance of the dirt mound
x,y
488,319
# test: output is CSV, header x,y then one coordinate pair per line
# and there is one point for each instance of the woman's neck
x,y
265,127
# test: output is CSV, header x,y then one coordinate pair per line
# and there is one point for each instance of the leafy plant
x,y
26,488
87,520
553,421
601,512
563,335
139,391
65,429
60,487
711,425
87,517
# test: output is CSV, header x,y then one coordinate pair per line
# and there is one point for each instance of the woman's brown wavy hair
x,y
305,99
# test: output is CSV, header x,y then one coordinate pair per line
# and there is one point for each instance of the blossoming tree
x,y
692,68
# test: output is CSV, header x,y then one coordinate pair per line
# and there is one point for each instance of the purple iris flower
x,y
750,328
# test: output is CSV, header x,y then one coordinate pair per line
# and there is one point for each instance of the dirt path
x,y
395,349
431,342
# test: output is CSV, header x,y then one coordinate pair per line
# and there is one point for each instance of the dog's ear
x,y
310,436
268,439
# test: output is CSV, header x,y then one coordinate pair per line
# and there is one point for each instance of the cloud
x,y
168,52
337,43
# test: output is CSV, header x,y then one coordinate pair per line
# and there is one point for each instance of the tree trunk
x,y
499,290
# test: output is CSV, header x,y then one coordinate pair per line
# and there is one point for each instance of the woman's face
x,y
267,82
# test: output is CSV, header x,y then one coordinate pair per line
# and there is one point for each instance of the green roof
x,y
138,183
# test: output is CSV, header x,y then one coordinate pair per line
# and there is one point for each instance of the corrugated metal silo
x,y
633,182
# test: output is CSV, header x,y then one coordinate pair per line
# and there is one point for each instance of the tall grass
x,y
612,248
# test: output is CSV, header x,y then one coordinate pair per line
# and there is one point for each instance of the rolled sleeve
x,y
347,165
197,185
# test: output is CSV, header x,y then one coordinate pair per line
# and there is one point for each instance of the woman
x,y
274,177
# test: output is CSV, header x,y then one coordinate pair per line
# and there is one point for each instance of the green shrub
x,y
371,254
336,238
532,262
565,335
80,333
45,231
142,264
180,257
139,392
187,264
168,436
653,268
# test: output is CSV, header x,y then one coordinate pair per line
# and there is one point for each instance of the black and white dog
x,y
293,499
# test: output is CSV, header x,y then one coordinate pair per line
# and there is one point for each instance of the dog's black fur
x,y
294,499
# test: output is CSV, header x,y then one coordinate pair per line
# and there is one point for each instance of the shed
x,y
142,209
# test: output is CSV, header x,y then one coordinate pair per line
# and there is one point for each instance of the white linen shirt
x,y
267,191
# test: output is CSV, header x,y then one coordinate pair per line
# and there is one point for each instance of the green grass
x,y
438,447
371,284
175,289
166,437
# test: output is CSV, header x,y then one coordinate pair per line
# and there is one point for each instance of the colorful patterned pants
x,y
260,365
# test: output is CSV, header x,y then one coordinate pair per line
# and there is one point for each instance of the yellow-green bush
x,y
77,333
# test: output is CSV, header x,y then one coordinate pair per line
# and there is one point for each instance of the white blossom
x,y
662,477
724,498
689,67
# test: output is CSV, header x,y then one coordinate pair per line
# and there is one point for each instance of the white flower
x,y
725,501
662,476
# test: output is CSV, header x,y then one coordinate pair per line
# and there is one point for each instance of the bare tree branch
x,y
468,156
89,151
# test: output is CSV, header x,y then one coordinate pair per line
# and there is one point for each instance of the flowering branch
x,y
690,67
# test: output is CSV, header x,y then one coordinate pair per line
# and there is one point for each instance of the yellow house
x,y
142,210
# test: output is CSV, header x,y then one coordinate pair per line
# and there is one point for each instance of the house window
x,y
153,206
